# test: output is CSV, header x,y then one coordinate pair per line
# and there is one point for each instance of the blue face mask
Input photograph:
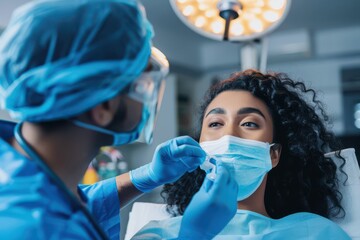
x,y
247,161
148,89
118,138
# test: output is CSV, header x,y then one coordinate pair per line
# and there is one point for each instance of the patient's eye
x,y
250,125
215,124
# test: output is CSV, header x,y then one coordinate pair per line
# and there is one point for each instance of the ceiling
x,y
309,14
176,40
182,45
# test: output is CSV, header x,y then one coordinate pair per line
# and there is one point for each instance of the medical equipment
x,y
349,187
248,161
152,99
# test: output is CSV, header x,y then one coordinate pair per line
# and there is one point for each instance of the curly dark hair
x,y
304,180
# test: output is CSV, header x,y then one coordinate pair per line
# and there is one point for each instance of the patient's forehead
x,y
233,100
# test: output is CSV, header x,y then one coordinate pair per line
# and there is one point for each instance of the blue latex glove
x,y
171,160
211,208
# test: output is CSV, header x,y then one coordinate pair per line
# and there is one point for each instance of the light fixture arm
x,y
228,10
249,56
254,55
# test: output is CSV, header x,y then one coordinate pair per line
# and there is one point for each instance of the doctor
x,y
79,75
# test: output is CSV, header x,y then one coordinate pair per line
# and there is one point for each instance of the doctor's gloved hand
x,y
170,161
211,208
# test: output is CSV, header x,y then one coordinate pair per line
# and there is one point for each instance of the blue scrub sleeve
x,y
103,202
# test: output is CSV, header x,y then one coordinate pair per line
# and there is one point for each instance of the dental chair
x,y
350,190
143,212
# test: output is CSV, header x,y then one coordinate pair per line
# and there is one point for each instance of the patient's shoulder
x,y
317,226
310,217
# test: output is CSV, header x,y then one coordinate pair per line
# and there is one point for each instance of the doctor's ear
x,y
103,113
275,153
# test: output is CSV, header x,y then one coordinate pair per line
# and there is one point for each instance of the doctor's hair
x,y
304,180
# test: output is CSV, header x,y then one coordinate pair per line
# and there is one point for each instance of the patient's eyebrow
x,y
216,111
250,110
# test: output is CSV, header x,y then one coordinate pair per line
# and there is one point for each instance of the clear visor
x,y
149,89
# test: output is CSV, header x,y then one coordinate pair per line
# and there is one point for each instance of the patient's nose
x,y
232,130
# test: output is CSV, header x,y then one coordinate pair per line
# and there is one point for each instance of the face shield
x,y
149,89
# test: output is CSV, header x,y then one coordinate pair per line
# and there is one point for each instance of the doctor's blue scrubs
x,y
33,207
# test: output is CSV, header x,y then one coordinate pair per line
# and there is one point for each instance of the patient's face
x,y
237,113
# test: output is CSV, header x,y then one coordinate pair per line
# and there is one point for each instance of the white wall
x,y
332,50
323,75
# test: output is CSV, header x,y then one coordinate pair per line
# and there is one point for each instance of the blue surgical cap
x,y
59,58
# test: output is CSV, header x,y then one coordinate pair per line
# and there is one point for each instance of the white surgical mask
x,y
247,161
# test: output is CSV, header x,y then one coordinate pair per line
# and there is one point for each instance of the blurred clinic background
x,y
318,42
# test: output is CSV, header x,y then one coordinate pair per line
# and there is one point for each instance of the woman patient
x,y
269,132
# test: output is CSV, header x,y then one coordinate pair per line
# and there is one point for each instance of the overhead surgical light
x,y
235,21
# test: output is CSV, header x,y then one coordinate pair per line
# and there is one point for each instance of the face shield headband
x,y
148,89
